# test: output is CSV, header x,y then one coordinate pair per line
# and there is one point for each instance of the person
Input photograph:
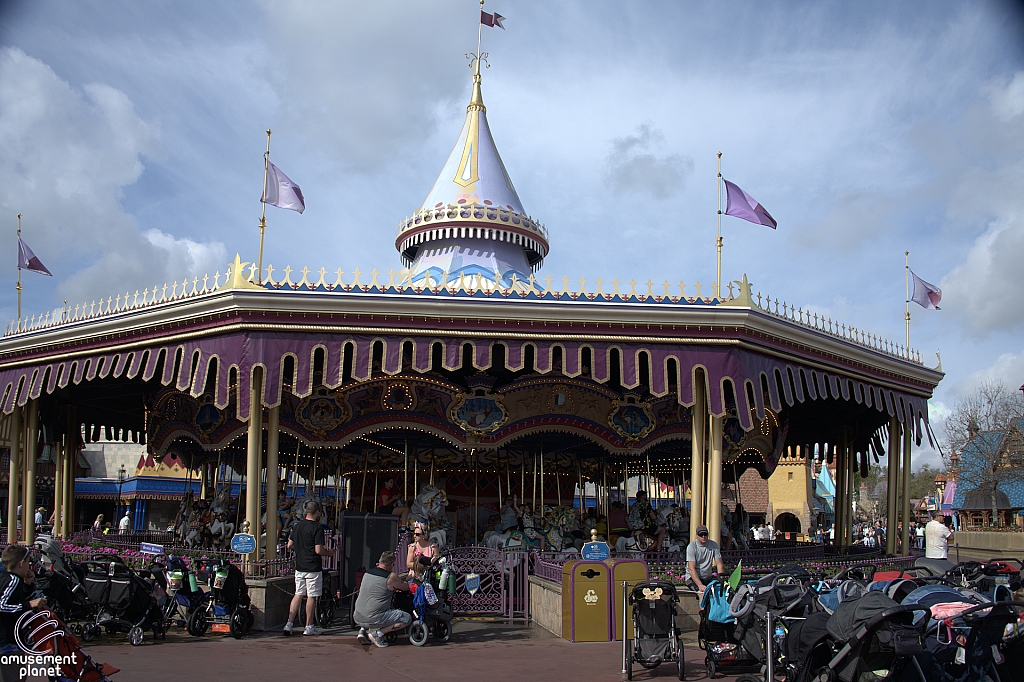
x,y
703,560
307,541
936,536
642,517
422,545
529,524
97,525
509,518
617,521
919,532
38,519
106,528
124,523
373,613
740,526
15,598
602,526
387,497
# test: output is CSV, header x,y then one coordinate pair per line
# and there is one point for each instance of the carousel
x,y
458,380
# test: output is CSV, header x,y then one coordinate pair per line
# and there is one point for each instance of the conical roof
x,y
474,173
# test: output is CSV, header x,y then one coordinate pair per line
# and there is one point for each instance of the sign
x,y
472,583
150,548
591,598
596,551
243,543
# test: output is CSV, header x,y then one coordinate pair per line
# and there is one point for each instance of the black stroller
x,y
427,618
184,595
226,607
870,635
125,601
655,636
717,639
61,582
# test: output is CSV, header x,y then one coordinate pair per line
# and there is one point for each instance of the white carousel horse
x,y
429,507
219,504
222,530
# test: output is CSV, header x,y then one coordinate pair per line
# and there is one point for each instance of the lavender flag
x,y
741,205
925,295
282,192
28,260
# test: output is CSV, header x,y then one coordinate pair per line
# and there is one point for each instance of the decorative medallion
x,y
481,412
631,418
560,400
208,417
321,412
399,396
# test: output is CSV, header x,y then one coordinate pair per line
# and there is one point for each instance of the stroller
x,y
184,595
429,605
61,582
655,637
124,601
226,607
869,635
716,635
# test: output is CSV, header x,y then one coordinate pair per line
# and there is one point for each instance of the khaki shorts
x,y
309,583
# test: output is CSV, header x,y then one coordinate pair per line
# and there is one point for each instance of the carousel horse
x,y
222,530
639,540
222,501
429,508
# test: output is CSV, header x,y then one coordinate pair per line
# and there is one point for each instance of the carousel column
x,y
892,476
714,510
840,501
699,418
70,457
14,477
31,454
905,535
58,486
252,464
273,441
851,460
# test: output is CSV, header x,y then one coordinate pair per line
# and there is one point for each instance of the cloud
x,y
66,156
634,168
1008,101
1007,369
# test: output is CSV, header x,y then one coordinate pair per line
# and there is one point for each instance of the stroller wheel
x,y
391,637
89,632
418,633
629,663
197,623
681,665
135,636
825,675
325,611
238,624
442,631
712,668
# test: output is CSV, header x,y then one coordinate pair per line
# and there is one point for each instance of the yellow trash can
x,y
633,571
585,604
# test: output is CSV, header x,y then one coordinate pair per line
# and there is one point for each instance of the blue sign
x,y
596,551
472,583
243,543
150,548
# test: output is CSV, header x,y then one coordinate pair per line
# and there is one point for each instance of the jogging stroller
x,y
655,636
765,609
226,607
428,604
184,595
124,601
716,634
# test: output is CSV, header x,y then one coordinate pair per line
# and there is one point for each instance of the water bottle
x,y
193,586
445,575
780,635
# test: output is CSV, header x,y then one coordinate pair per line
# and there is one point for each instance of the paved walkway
x,y
494,652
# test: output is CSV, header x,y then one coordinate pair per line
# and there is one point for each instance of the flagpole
x,y
719,241
479,34
19,272
263,214
907,254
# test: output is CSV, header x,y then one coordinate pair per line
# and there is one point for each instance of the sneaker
x,y
312,630
287,629
362,637
377,637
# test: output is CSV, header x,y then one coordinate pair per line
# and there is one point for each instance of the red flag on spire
x,y
492,20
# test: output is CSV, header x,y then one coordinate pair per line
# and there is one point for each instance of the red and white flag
x,y
282,192
926,295
492,20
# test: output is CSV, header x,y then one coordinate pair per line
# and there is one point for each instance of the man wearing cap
x,y
703,559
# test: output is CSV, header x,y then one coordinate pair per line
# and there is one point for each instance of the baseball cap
x,y
702,530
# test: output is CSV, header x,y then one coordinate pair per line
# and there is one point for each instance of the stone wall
x,y
546,604
997,542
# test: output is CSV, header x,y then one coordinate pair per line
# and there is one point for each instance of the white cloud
x,y
1007,369
635,167
66,156
1008,101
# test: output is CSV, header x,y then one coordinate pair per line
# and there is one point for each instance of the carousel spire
x,y
472,222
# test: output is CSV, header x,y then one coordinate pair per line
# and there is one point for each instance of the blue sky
x,y
131,137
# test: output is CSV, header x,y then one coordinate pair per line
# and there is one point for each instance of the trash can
x,y
585,605
633,571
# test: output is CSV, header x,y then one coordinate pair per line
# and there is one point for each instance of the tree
x,y
983,433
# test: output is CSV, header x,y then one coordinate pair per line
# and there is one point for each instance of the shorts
x,y
387,619
309,583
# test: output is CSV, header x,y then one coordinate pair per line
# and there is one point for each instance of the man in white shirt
x,y
126,521
936,536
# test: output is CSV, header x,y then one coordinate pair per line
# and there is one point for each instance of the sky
x,y
132,136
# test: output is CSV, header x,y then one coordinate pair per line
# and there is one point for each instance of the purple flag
x,y
282,192
741,205
925,295
28,260
492,20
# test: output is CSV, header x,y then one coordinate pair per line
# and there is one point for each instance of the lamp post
x,y
121,475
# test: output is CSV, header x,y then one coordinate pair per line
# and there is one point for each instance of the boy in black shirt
x,y
15,590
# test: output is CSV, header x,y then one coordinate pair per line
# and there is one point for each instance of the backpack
x,y
635,520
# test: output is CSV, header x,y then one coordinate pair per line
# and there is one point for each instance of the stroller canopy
x,y
850,615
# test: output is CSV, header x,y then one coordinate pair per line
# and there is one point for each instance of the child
x,y
15,592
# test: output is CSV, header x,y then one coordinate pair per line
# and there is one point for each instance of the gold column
x,y
13,485
851,467
70,457
905,534
252,463
58,486
893,488
273,437
31,454
714,510
699,418
840,507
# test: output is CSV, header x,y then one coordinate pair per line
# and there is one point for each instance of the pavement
x,y
478,650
